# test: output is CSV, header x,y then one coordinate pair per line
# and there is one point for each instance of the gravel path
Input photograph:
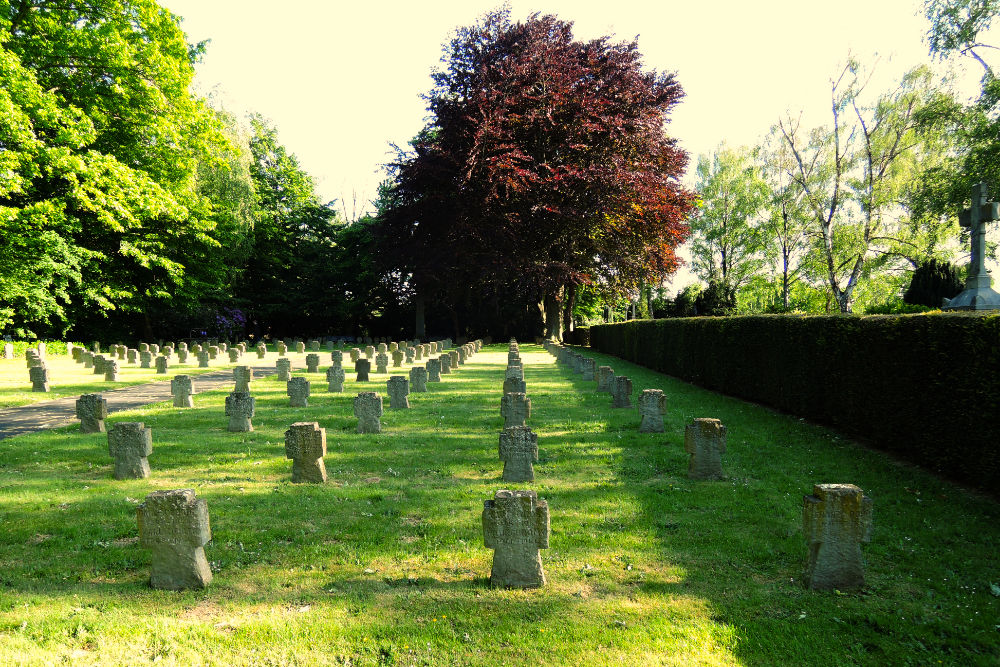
x,y
62,411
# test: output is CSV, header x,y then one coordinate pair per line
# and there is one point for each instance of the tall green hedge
x,y
925,387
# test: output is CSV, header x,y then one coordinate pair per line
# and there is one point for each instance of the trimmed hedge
x,y
925,387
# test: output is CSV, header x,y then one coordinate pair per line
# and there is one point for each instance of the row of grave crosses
x,y
836,518
516,522
174,524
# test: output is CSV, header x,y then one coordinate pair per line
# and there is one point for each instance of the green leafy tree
x,y
852,175
728,232
787,227
956,27
287,271
107,182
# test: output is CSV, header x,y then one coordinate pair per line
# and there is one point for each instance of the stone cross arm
x,y
175,518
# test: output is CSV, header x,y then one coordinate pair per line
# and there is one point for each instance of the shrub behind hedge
x,y
924,387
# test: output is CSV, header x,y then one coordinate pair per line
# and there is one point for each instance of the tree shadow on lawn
x,y
741,541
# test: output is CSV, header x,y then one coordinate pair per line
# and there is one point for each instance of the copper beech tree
x,y
545,166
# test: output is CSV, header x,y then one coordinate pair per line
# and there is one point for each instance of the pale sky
x,y
341,81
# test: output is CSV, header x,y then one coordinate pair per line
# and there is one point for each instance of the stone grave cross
x,y
836,520
516,526
174,526
305,445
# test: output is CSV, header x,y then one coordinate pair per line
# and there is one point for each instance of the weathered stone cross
x,y
978,293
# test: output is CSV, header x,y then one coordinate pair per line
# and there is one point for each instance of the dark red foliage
x,y
546,164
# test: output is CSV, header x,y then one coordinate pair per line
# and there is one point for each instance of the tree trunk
x,y
147,327
568,305
784,279
552,328
421,326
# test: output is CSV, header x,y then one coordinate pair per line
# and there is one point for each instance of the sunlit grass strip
x,y
69,378
385,564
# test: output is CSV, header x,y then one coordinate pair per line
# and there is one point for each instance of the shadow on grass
x,y
740,539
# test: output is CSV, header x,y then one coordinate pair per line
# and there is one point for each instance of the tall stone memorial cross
x,y
382,362
705,442
335,378
368,410
243,376
174,526
518,450
978,293
836,520
240,408
91,410
515,409
39,376
129,443
182,390
652,409
411,354
418,379
297,389
397,358
305,445
398,388
516,526
284,366
312,363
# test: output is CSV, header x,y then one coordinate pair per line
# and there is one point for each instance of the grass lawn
x,y
69,378
385,564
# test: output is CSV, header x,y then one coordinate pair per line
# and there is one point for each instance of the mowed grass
x,y
385,564
69,378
